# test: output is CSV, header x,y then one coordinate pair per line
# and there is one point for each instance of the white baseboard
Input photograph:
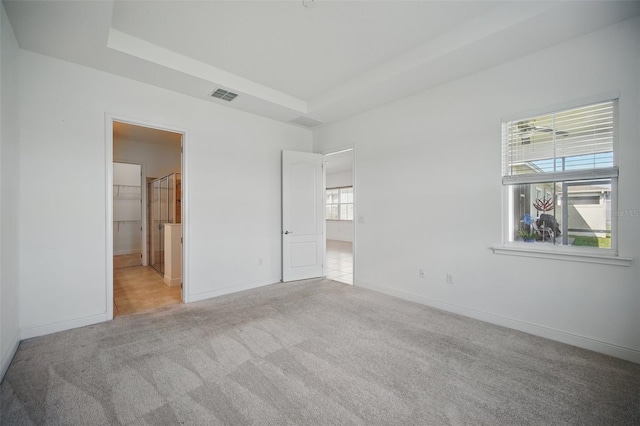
x,y
126,251
30,332
343,240
616,351
228,290
8,356
172,282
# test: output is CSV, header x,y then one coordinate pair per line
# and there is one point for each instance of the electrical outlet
x,y
449,278
421,273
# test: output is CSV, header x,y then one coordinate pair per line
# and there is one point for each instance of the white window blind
x,y
570,144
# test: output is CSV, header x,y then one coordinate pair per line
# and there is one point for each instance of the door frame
x,y
109,120
336,150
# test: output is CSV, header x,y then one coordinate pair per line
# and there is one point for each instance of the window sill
x,y
339,220
559,253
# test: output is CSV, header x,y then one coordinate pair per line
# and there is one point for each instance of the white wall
x,y
339,179
127,174
159,159
336,229
231,182
340,230
9,195
437,155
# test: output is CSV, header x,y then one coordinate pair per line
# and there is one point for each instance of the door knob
x,y
287,232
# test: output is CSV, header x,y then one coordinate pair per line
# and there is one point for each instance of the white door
x,y
302,216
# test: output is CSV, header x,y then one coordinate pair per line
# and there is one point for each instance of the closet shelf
x,y
127,191
117,223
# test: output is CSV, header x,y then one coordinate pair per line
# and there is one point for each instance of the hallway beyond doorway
x,y
339,265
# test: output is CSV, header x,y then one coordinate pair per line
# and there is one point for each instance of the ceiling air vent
x,y
225,95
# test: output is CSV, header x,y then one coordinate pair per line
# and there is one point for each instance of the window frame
x,y
339,204
559,251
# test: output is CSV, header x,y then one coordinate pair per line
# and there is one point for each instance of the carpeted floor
x,y
312,352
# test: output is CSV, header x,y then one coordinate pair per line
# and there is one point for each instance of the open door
x,y
302,216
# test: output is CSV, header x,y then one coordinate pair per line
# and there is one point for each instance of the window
x,y
560,177
339,205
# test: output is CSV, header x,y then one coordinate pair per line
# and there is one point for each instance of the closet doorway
x,y
147,213
127,215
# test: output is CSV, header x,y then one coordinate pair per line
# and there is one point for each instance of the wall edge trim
x,y
8,356
616,351
28,333
229,290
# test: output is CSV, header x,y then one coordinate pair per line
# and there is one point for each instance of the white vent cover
x,y
225,95
306,121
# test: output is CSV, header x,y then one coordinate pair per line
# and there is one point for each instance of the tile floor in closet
x,y
141,288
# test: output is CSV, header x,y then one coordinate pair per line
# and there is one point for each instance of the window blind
x,y
573,142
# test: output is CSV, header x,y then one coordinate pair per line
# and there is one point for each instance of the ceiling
x,y
341,161
307,66
131,132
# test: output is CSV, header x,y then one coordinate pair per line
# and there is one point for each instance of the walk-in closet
x,y
147,218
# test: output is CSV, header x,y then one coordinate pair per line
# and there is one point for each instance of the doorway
x,y
146,211
339,215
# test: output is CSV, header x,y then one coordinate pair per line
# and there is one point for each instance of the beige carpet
x,y
313,352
